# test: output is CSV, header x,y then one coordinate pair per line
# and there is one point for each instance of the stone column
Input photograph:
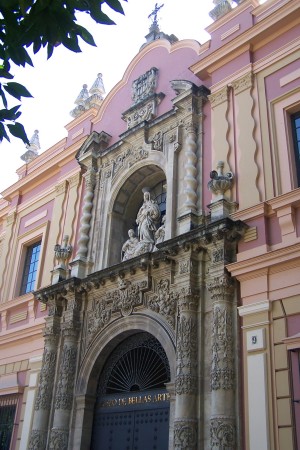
x,y
38,437
185,423
223,383
79,264
64,395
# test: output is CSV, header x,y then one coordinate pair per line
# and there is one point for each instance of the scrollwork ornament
x,y
163,301
59,439
221,288
186,384
185,434
37,440
222,434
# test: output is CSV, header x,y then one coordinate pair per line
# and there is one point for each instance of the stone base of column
x,y
185,434
221,208
59,274
79,267
187,221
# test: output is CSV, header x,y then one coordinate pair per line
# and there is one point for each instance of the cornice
x,y
254,308
271,24
256,263
44,171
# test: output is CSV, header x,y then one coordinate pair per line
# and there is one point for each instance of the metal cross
x,y
154,12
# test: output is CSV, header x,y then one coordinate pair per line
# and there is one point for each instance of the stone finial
x,y
98,86
83,95
222,7
32,148
89,99
219,182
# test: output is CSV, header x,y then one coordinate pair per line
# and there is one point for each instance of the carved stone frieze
x,y
222,434
121,300
185,434
186,266
126,159
186,384
37,440
59,439
138,115
222,370
163,301
157,141
45,389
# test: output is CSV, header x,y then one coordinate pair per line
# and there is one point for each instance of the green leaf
x,y
85,35
3,133
18,131
115,5
10,114
17,90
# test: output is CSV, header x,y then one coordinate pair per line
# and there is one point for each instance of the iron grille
x,y
8,406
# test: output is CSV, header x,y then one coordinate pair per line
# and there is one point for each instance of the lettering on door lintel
x,y
135,400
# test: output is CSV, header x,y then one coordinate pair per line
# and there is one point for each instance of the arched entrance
x,y
132,406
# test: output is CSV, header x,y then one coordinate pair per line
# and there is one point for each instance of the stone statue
x,y
160,233
147,218
129,247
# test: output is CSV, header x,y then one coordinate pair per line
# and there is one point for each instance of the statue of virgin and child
x,y
147,219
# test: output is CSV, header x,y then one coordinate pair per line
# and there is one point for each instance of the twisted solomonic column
x,y
84,233
190,166
185,423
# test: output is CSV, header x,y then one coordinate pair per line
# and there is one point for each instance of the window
x,y
30,268
8,404
295,360
296,137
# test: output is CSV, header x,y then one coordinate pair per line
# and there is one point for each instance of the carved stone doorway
x,y
133,405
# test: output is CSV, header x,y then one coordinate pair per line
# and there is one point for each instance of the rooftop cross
x,y
154,13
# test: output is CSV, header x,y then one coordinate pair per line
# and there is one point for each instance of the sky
x,y
56,83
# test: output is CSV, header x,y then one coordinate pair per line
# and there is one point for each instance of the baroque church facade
x,y
149,291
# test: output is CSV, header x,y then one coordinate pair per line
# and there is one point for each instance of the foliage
x,y
40,24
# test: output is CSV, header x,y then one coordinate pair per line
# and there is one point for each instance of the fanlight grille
x,y
138,364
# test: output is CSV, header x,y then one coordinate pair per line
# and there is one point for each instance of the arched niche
x,y
126,203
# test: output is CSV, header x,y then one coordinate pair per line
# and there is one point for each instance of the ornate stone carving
x,y
185,434
222,434
186,384
121,301
221,288
218,255
219,182
127,159
163,301
185,266
61,188
129,247
37,440
45,393
187,340
222,371
190,177
59,439
144,85
64,392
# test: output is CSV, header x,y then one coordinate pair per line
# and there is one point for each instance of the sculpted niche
x,y
148,219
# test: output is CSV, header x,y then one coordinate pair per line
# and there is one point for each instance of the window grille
x,y
8,406
296,137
